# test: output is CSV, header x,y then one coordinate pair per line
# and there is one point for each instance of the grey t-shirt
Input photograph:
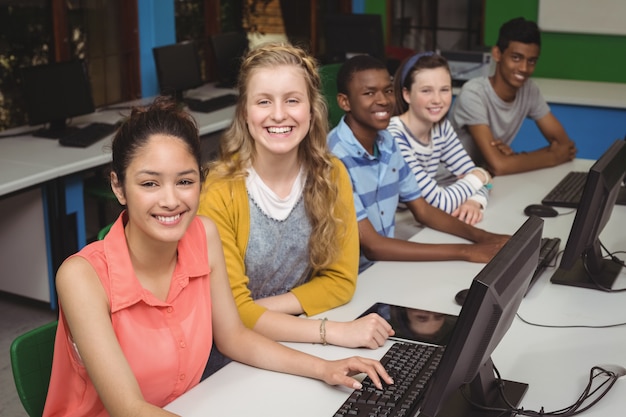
x,y
478,104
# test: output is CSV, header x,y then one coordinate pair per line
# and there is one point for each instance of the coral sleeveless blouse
x,y
167,344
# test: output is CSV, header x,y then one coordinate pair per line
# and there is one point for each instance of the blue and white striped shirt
x,y
425,160
378,182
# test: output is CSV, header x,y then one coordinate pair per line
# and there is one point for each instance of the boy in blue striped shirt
x,y
381,178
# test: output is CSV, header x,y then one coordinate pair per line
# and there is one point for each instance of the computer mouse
x,y
540,210
461,296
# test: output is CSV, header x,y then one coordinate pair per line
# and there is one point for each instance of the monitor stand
x,y
578,275
457,405
484,390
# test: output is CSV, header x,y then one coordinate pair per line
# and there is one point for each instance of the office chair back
x,y
328,75
103,232
31,362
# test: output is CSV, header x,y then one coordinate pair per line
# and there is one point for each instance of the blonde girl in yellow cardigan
x,y
283,206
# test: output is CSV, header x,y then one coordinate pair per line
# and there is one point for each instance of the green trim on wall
x,y
377,7
568,56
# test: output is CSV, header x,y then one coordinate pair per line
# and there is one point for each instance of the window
x,y
426,25
103,32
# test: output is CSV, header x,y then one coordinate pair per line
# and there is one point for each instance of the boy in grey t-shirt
x,y
489,111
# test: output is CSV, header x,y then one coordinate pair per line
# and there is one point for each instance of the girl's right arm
x,y
447,198
218,204
86,312
242,344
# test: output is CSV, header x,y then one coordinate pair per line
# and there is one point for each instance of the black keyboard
x,y
212,104
568,191
87,135
547,252
411,366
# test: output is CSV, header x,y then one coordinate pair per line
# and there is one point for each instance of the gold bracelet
x,y
323,331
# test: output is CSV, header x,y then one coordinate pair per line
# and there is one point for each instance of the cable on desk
x,y
613,258
570,326
590,396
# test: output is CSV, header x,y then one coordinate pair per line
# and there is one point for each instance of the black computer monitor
x,y
177,68
582,264
487,313
228,50
346,35
53,93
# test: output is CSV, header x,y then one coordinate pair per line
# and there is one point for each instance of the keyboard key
x,y
568,191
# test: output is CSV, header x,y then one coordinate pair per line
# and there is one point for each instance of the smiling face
x,y
161,189
278,110
430,96
515,64
369,102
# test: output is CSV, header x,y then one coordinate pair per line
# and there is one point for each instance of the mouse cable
x,y
570,326
567,213
590,396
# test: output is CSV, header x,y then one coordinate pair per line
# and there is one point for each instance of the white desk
x,y
554,362
41,184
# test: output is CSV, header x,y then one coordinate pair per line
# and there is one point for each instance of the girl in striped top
x,y
447,176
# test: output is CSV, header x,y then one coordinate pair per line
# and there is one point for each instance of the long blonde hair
x,y
237,149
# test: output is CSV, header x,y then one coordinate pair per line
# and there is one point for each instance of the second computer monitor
x,y
228,50
583,264
177,68
53,93
347,35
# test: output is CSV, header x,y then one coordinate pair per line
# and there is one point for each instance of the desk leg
x,y
65,223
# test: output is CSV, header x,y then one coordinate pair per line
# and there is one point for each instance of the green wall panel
x,y
563,55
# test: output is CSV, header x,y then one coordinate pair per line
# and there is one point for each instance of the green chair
x,y
328,75
103,232
31,361
100,190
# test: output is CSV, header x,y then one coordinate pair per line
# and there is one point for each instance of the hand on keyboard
x,y
340,372
411,366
